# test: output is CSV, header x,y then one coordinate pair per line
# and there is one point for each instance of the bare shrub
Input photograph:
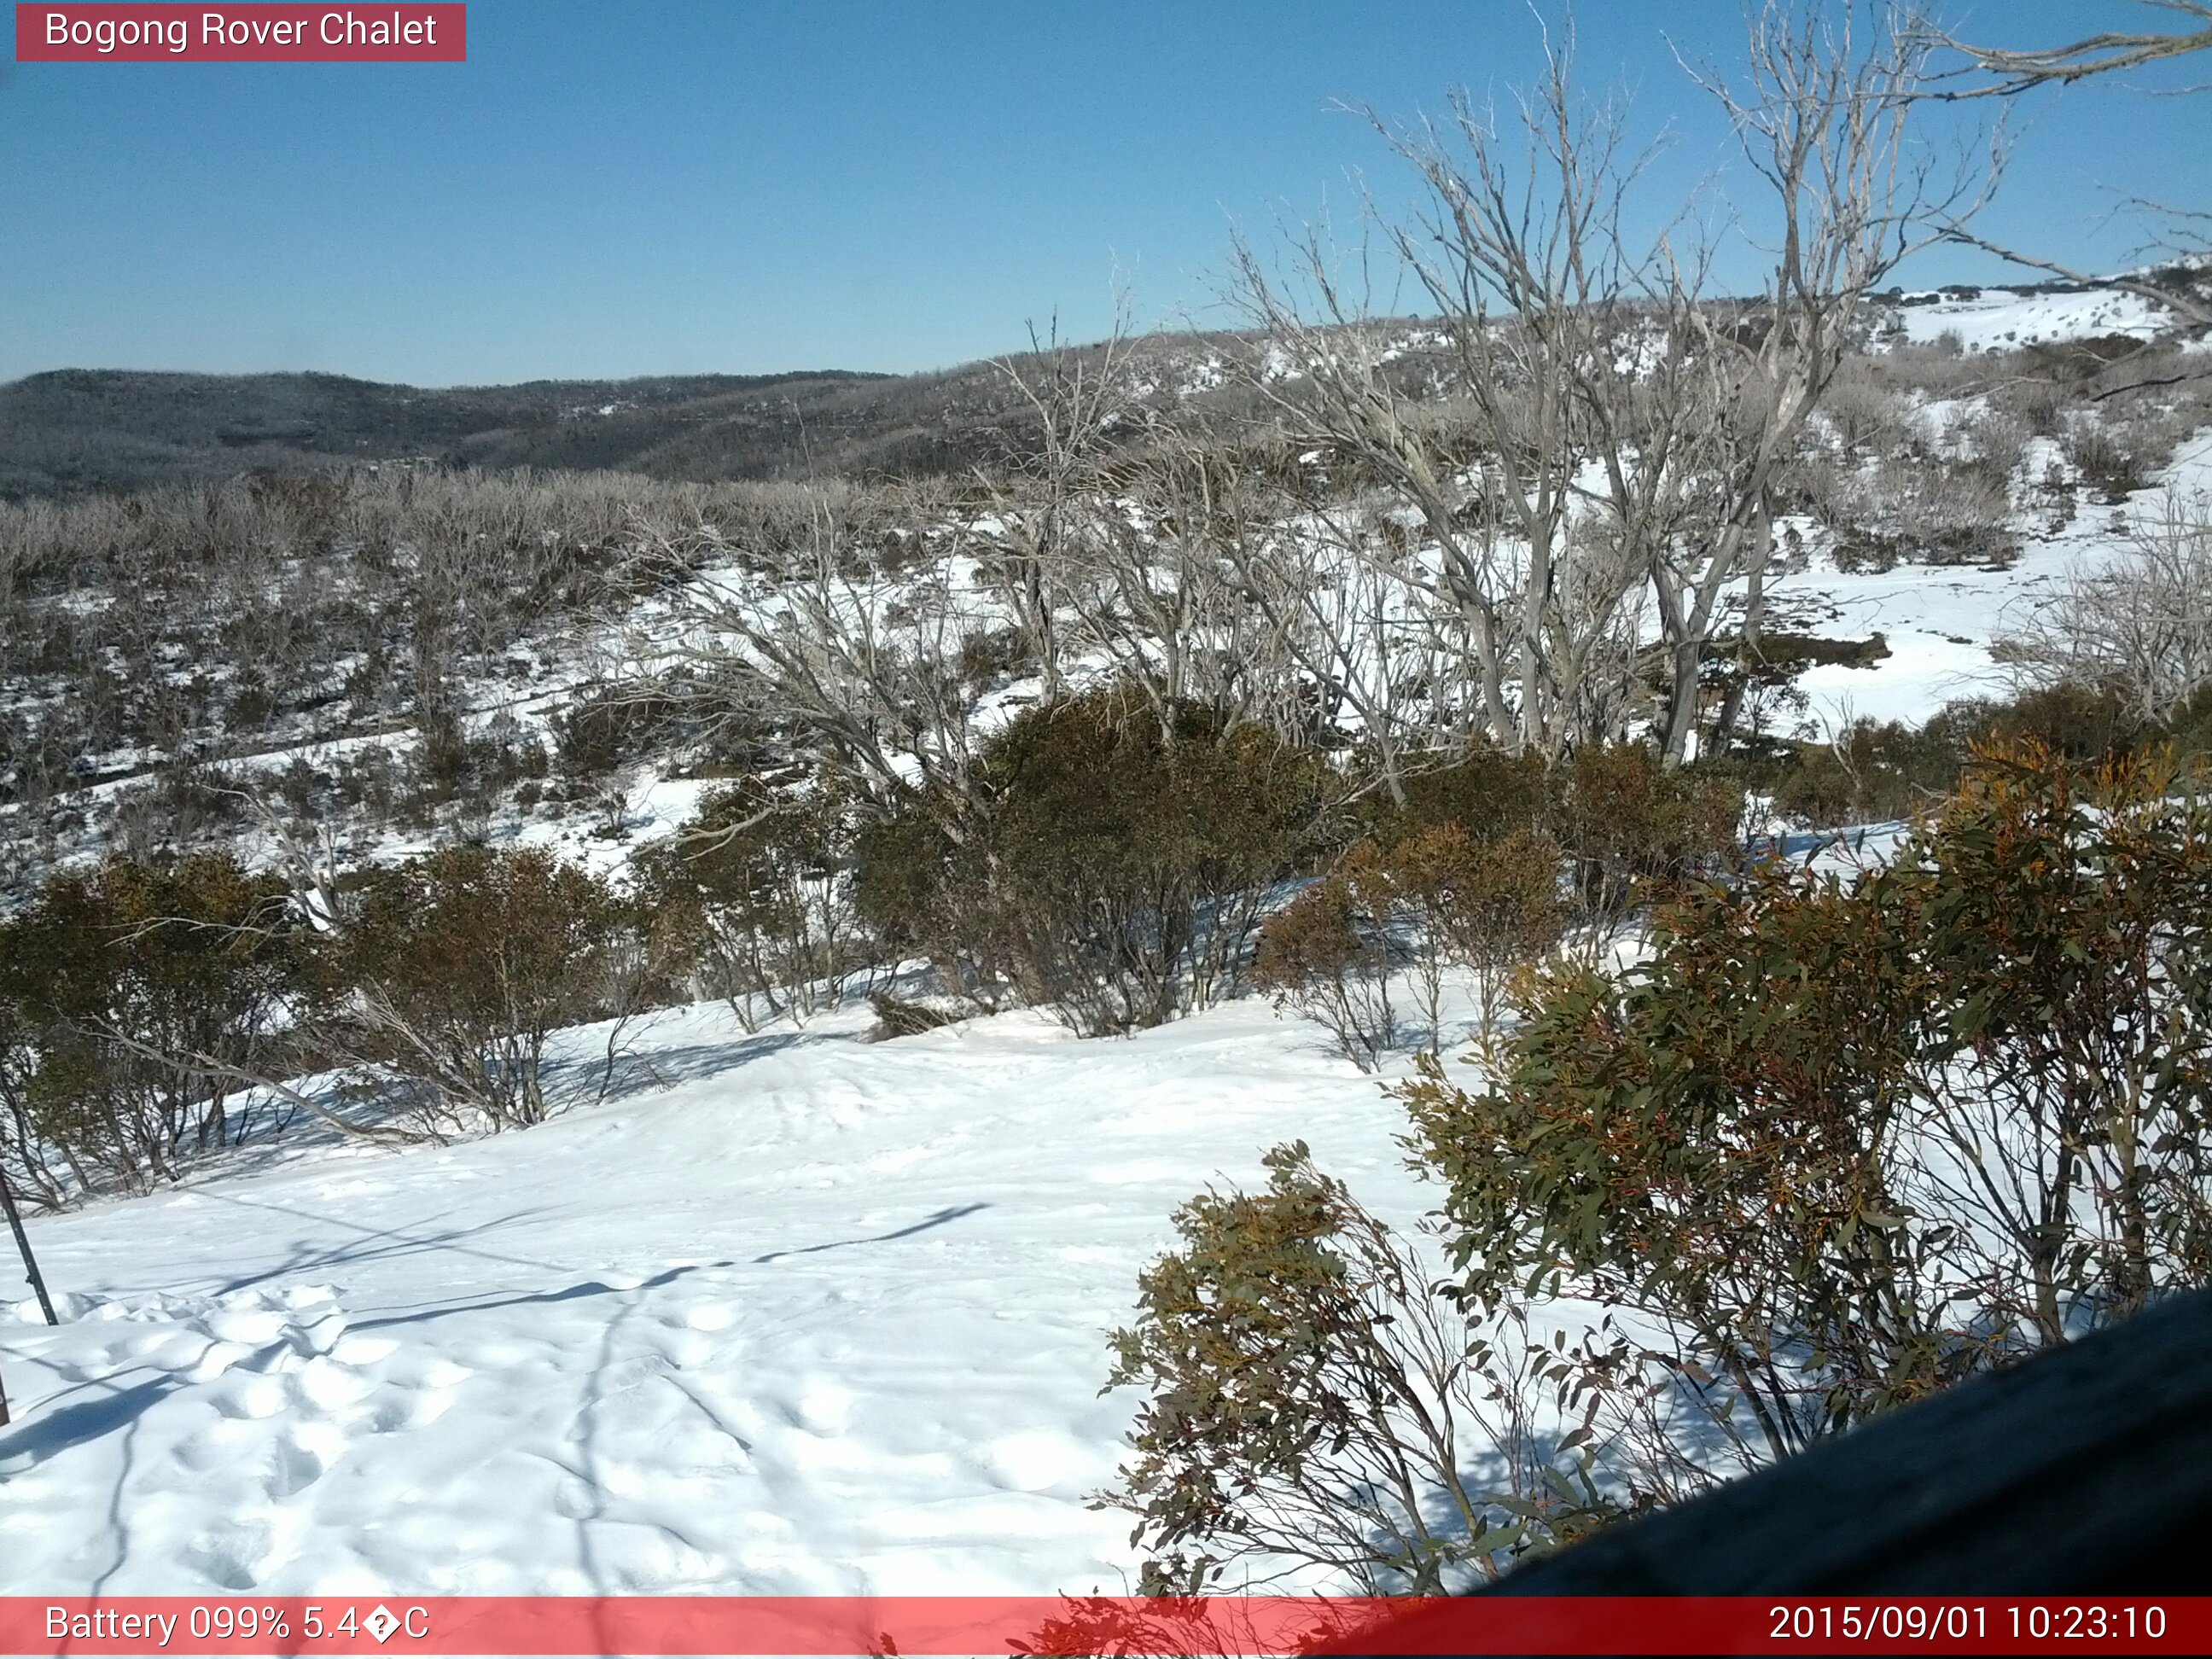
x,y
2114,461
2139,624
1900,510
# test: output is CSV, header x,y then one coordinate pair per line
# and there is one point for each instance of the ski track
x,y
823,1317
793,1315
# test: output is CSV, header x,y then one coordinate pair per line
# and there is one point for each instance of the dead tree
x,y
1518,252
2140,625
1823,113
2007,72
1073,398
863,661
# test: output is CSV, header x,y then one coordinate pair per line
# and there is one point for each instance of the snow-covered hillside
x,y
1939,620
788,1312
2001,318
821,1316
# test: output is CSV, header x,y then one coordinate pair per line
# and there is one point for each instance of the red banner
x,y
1098,1625
287,33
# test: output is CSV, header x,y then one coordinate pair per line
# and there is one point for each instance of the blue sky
x,y
613,187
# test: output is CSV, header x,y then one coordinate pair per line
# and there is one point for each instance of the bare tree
x,y
1596,428
2005,72
864,660
1823,112
1074,397
2140,625
1518,251
1170,584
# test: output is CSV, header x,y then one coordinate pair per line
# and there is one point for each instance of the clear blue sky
x,y
617,188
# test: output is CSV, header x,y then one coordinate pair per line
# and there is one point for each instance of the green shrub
x,y
455,968
1631,827
125,992
1105,868
1329,954
1313,1400
1488,907
765,878
1437,900
1838,1142
1880,770
1488,793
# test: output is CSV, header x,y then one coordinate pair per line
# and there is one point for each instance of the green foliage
x,y
1312,1400
1330,954
761,878
1633,828
122,990
1109,864
1488,906
1436,900
1839,1141
1878,771
455,969
1488,793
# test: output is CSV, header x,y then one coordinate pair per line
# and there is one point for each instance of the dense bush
x,y
1480,869
1109,866
152,1012
1839,1140
454,970
1876,771
1487,794
1631,827
1312,1402
125,992
1436,900
762,879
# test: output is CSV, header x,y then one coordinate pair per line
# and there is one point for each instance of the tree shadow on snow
x,y
51,1433
376,1244
590,1287
950,1212
637,1072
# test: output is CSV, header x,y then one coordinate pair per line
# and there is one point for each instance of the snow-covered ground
x,y
819,1317
1939,620
789,1313
2000,318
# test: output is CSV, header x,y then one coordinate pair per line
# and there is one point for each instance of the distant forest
x,y
74,431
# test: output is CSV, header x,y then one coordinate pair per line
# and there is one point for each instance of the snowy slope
x,y
2001,318
822,1316
1939,620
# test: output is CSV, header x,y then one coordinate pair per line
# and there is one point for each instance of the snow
x,y
1999,318
788,1313
819,1316
1939,620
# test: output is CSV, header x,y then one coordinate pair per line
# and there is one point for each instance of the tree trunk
x,y
30,1262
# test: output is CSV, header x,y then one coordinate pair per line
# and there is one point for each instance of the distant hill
x,y
73,430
